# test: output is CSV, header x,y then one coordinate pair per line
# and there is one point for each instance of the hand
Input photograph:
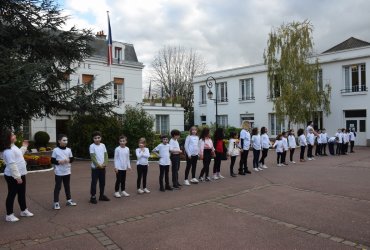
x,y
25,143
200,157
116,170
19,181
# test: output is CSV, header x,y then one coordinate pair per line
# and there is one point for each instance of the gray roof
x,y
350,43
100,47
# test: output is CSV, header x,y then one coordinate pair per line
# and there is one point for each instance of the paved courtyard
x,y
321,204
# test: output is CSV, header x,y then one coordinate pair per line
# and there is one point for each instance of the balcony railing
x,y
247,98
354,89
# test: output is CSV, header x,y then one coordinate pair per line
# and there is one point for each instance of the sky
x,y
227,33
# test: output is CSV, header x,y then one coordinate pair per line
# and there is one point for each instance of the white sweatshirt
x,y
122,158
142,156
291,141
191,145
14,161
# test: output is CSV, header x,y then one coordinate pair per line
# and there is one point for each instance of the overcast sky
x,y
227,33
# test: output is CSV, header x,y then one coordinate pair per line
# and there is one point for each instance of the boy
x,y
121,164
163,152
175,157
99,158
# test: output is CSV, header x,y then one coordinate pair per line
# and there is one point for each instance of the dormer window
x,y
118,54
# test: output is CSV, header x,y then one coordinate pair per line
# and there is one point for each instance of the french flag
x,y
110,42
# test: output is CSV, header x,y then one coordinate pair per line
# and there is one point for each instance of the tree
x,y
36,58
173,71
294,75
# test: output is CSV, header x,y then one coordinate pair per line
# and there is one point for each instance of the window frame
x,y
246,89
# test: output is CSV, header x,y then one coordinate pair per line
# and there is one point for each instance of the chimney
x,y
101,35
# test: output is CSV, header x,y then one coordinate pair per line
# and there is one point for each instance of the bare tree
x,y
173,71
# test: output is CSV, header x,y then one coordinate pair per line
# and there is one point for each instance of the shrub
x,y
41,139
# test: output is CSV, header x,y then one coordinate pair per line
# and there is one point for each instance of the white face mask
x,y
64,141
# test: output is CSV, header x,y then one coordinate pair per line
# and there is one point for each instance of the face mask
x,y
64,141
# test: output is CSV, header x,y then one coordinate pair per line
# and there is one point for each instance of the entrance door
x,y
359,124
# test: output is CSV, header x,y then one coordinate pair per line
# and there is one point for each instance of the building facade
x,y
244,94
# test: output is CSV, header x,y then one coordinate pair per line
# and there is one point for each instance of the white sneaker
x,y
279,165
215,177
201,179
313,159
146,190
186,183
123,193
117,195
255,169
71,203
11,218
194,180
56,206
292,161
26,213
264,166
310,159
220,176
140,191
260,169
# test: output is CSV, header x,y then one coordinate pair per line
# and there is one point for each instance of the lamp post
x,y
209,83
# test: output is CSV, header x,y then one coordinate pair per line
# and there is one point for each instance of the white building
x,y
243,93
126,74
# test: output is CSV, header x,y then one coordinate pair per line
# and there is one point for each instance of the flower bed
x,y
34,162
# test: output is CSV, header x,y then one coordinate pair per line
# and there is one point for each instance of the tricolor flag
x,y
110,56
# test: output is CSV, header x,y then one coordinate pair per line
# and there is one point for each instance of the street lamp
x,y
209,83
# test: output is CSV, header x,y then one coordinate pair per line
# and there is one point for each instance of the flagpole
x,y
110,56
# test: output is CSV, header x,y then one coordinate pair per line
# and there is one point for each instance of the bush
x,y
41,139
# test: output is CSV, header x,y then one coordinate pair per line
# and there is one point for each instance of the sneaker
x,y
233,175
178,184
93,200
169,188
220,176
201,179
104,198
260,169
248,172
146,190
279,165
26,213
241,173
176,187
117,195
285,164
264,166
256,169
194,181
208,179
56,206
302,160
140,191
11,218
162,189
293,162
215,177
186,183
71,203
310,159
124,193
313,159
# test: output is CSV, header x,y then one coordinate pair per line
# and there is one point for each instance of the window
x,y
355,113
246,89
88,80
162,124
222,121
354,78
362,126
118,54
26,130
120,118
118,89
274,89
203,95
203,119
247,117
222,92
275,126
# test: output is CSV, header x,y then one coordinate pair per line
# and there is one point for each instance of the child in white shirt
x,y
324,141
163,152
206,151
175,157
279,149
256,144
121,164
265,143
291,144
192,151
302,140
310,144
233,151
142,155
286,147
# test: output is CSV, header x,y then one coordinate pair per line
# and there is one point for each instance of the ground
x,y
321,204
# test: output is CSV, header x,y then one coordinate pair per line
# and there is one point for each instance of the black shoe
x,y
233,175
248,172
104,198
241,173
93,200
162,189
169,188
178,184
176,187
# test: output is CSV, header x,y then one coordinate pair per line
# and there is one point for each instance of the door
x,y
359,124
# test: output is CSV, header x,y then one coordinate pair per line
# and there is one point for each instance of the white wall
x,y
176,114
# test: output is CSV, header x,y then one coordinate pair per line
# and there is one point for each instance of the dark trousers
x,y
191,163
264,155
120,181
142,171
207,157
344,148
232,163
256,156
317,150
163,172
279,157
352,145
283,156
217,163
66,179
309,151
291,154
323,149
175,160
301,155
243,163
15,189
97,174
331,148
339,148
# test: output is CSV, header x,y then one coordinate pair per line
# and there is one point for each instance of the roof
x,y
100,47
350,43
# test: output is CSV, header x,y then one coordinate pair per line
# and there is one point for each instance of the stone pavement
x,y
321,204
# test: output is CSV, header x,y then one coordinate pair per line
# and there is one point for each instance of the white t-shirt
x,y
324,138
302,140
164,154
352,136
291,141
265,141
246,137
14,155
99,151
122,158
279,146
174,146
142,156
256,142
62,154
191,145
311,138
205,144
285,143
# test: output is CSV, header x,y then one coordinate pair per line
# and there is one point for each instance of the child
x,y
121,164
291,144
245,140
175,157
15,174
324,141
163,152
206,150
302,143
62,158
352,138
345,141
192,151
99,161
142,155
286,148
339,135
256,144
220,153
265,143
319,143
279,149
310,143
331,142
233,151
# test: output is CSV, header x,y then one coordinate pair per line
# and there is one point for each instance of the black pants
x,y
344,148
163,172
323,149
66,179
309,151
339,148
243,163
352,145
232,163
256,156
15,189
331,148
120,181
301,155
142,171
317,150
97,174
207,157
191,163
217,163
264,155
279,157
283,156
291,154
175,160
